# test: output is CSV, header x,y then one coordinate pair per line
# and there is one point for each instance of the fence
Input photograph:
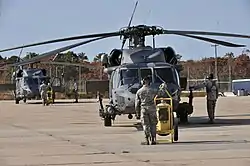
x,y
224,86
226,69
89,87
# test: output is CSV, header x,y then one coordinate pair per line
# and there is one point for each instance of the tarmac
x,y
69,134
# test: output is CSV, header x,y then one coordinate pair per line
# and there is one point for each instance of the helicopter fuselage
x,y
126,80
27,83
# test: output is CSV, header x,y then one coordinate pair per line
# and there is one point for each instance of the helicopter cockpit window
x,y
164,74
35,80
129,76
28,81
146,72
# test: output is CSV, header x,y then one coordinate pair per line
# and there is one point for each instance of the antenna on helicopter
x,y
129,24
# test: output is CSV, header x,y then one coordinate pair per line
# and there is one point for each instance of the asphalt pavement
x,y
69,134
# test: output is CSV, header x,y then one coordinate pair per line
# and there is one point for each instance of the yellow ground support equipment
x,y
49,96
166,124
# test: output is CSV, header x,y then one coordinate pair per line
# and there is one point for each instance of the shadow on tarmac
x,y
61,102
195,122
206,142
138,126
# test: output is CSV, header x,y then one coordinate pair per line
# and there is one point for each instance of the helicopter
x,y
26,81
127,66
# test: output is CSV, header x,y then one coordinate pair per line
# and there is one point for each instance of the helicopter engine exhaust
x,y
130,116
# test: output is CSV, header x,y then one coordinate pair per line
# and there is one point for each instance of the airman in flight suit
x,y
43,92
212,95
146,110
75,91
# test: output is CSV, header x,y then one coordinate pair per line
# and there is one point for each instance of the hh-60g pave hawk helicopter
x,y
26,81
127,67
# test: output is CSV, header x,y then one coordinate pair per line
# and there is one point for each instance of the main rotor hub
x,y
137,34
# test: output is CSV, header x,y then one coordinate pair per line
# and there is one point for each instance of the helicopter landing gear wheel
x,y
183,117
176,134
24,100
130,116
107,121
17,101
53,97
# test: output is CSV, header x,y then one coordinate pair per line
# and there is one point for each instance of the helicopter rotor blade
x,y
110,34
19,57
129,24
50,53
177,32
220,42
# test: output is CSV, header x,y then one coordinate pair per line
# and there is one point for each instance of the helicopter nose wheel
x,y
130,116
17,101
107,121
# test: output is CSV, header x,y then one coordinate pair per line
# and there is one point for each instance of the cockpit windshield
x,y
146,72
164,75
129,76
161,74
28,80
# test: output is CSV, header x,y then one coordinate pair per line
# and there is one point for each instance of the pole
x,y
80,78
50,70
209,69
188,77
56,70
216,62
230,73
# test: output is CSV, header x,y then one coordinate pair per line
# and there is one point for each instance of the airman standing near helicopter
x,y
145,109
43,92
212,95
49,93
75,91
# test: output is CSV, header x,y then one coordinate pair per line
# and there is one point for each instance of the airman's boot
x,y
153,141
147,140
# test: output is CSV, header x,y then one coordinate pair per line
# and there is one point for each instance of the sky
x,y
28,21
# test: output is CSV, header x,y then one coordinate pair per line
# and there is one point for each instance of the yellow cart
x,y
50,99
166,125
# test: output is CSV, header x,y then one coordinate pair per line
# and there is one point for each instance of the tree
x,y
82,56
68,57
71,72
30,55
12,59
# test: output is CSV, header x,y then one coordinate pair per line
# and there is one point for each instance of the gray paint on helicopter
x,y
148,55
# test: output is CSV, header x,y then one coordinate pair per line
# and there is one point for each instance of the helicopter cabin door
x,y
113,83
